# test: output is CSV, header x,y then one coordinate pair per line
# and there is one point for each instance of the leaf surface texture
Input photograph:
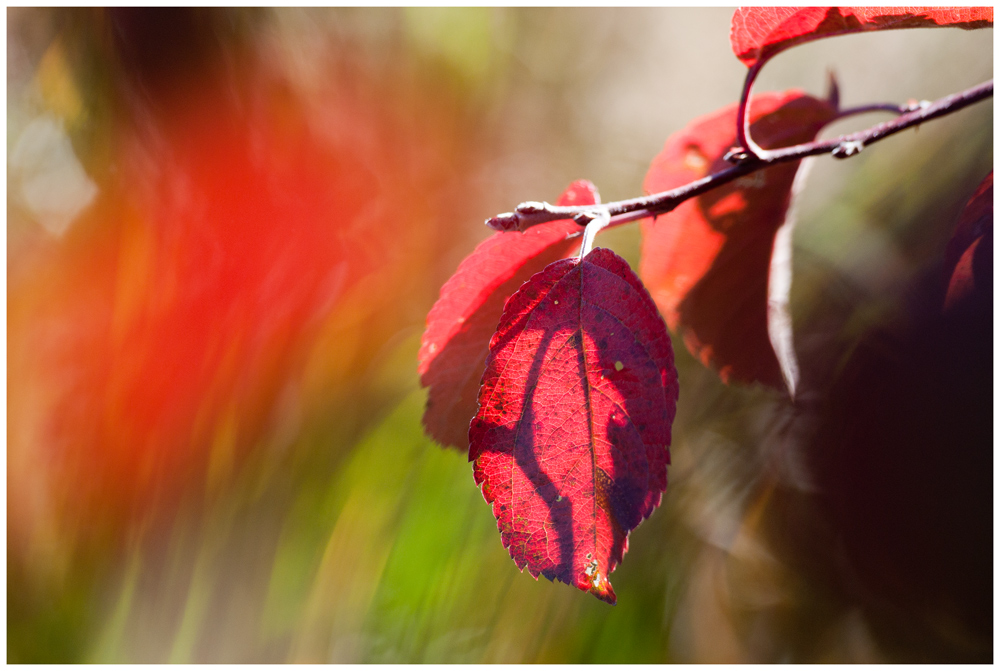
x,y
757,33
707,262
571,439
456,340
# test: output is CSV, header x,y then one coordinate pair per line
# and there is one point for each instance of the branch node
x,y
916,105
848,148
738,156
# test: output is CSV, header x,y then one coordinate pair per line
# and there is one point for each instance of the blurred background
x,y
225,228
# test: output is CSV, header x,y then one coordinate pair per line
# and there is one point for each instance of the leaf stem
x,y
601,219
531,214
747,147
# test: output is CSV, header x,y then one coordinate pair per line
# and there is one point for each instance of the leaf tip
x,y
601,588
592,580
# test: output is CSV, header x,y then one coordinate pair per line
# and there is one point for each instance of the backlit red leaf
x,y
969,257
707,262
459,326
571,439
757,33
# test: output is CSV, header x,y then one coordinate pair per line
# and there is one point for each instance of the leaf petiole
x,y
599,220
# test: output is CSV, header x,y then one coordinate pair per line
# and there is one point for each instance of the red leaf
x,y
970,253
459,326
707,262
758,33
570,441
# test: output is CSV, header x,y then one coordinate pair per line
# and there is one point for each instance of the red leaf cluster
x,y
758,33
459,326
570,440
571,420
706,263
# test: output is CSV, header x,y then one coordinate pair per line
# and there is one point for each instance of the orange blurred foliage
x,y
240,226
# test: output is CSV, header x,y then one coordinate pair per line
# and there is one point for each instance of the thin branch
x,y
533,213
892,108
746,149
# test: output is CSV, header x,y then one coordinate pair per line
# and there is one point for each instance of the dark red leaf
x,y
969,257
757,33
459,326
570,441
707,263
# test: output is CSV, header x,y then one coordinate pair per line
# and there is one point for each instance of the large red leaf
x,y
707,262
757,33
969,257
570,440
459,326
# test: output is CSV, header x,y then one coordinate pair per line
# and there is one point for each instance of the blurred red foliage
x,y
239,223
